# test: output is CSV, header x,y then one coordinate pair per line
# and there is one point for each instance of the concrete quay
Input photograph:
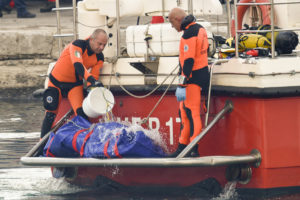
x,y
27,47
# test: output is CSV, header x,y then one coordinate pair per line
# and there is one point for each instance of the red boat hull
x,y
269,125
175,177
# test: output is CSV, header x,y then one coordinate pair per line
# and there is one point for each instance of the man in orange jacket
x,y
194,75
81,59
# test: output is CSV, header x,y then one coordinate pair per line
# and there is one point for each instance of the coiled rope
x,y
144,121
146,95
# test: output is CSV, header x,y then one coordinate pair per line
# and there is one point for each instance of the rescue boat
x,y
251,131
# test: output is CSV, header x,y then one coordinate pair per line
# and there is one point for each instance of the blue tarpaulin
x,y
80,138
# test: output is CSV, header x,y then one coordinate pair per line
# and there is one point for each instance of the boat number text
x,y
154,124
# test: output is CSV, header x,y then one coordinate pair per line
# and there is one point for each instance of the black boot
x,y
178,150
25,14
46,127
48,7
194,152
47,123
7,9
1,13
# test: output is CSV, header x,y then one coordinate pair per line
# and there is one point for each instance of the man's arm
x,y
189,52
76,51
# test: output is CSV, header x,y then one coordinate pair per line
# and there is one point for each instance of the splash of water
x,y
21,183
228,193
154,135
54,186
115,171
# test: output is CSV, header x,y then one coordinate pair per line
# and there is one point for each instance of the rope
x,y
143,96
147,41
101,26
108,104
75,124
91,26
158,102
109,115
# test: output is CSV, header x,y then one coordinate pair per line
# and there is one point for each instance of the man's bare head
x,y
98,40
176,16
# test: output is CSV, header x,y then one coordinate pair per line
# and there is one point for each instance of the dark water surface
x,y
20,123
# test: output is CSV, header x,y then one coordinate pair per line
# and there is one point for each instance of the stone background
x,y
27,46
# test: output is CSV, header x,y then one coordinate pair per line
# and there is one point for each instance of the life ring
x,y
241,10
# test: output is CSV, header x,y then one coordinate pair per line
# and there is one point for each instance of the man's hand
x,y
97,84
180,93
94,85
94,82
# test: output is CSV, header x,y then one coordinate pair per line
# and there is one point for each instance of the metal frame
x,y
59,35
258,31
209,88
227,108
118,27
207,161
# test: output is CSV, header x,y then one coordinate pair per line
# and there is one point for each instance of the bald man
x,y
81,59
193,74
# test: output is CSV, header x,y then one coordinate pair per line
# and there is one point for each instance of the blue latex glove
x,y
180,93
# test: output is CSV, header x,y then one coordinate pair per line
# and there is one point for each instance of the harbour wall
x,y
27,47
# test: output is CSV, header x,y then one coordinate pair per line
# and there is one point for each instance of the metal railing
x,y
227,108
273,30
206,161
59,35
209,87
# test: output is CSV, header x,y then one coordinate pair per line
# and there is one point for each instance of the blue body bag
x,y
80,138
